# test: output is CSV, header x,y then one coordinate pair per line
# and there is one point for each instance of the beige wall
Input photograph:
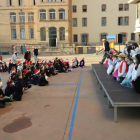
x,y
94,14
6,26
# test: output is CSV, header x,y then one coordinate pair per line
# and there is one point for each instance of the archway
x,y
52,36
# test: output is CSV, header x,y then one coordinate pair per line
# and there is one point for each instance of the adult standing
x,y
27,55
35,55
14,61
107,49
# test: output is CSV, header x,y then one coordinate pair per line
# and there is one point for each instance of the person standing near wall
x,y
35,55
13,61
27,55
107,49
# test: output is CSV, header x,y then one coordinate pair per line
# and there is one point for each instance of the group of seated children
x,y
125,67
23,76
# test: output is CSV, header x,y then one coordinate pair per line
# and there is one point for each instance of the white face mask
x,y
134,61
119,59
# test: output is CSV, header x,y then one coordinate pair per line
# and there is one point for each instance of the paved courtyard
x,y
70,108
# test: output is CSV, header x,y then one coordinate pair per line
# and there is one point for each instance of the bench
x,y
118,96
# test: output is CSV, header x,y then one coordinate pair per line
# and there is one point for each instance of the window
x,y
42,0
120,22
10,2
126,20
61,14
21,17
84,8
133,36
34,2
62,33
126,7
84,39
21,2
123,38
74,22
43,34
31,17
103,7
13,34
120,7
22,33
42,14
75,38
103,36
84,22
31,33
103,21
13,17
74,9
52,14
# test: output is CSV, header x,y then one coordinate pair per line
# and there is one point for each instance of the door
x,y
84,40
52,36
80,50
123,39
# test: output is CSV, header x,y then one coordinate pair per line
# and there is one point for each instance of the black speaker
x,y
119,38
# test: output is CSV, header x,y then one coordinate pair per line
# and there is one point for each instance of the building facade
x,y
55,26
93,20
43,23
137,21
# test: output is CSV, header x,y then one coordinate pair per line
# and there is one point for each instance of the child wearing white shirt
x,y
127,81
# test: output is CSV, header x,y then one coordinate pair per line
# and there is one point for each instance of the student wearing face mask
x,y
116,68
127,81
123,69
136,75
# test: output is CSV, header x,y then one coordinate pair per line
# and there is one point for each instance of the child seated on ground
x,y
127,81
20,67
43,79
123,67
82,63
76,62
10,89
2,98
18,88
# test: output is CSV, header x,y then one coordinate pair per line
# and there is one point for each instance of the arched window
x,y
13,17
22,33
21,17
43,34
52,14
31,17
31,33
62,14
62,33
42,14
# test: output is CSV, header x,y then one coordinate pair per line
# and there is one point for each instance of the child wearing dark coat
x,y
43,80
18,88
10,89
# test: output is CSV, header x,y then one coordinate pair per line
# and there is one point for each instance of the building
x,y
137,21
42,23
95,19
55,26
